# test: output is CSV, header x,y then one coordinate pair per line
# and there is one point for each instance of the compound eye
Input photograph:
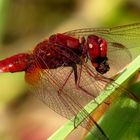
x,y
100,41
101,46
90,45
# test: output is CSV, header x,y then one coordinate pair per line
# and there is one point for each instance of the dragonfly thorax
x,y
58,51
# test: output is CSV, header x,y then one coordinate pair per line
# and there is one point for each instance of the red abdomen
x,y
16,63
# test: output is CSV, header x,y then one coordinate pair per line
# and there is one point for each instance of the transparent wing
x,y
117,59
122,41
57,89
127,35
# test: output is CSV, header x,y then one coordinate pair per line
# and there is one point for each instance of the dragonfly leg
x,y
77,81
60,89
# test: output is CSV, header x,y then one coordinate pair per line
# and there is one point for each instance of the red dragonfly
x,y
68,70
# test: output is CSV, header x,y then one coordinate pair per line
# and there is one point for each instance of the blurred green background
x,y
23,24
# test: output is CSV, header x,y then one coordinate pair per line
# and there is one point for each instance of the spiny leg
x,y
77,80
60,89
77,83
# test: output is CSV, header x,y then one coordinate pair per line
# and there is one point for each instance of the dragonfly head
x,y
97,52
96,47
101,65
